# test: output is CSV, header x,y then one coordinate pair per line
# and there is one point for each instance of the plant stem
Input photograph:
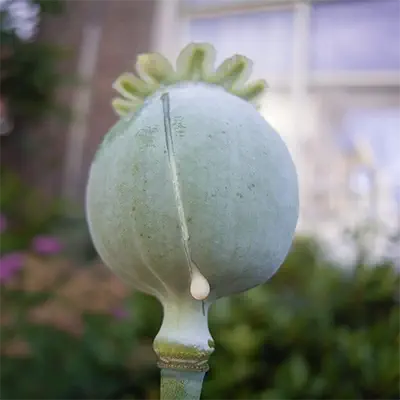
x,y
181,385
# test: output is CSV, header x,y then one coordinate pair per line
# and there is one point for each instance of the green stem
x,y
181,385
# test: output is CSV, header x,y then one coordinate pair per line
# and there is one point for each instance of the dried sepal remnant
x,y
194,64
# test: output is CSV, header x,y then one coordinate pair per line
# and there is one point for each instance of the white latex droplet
x,y
199,286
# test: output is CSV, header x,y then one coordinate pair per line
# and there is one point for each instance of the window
x,y
354,35
264,37
380,128
215,3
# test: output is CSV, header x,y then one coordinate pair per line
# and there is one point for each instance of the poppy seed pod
x,y
192,195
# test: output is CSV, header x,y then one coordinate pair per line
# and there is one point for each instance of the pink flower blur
x,y
10,264
120,313
46,245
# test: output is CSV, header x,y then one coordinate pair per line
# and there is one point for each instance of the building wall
x,y
127,32
102,38
65,31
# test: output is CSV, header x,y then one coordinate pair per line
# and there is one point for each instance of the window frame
x,y
180,13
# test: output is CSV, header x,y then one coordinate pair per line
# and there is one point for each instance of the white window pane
x,y
355,35
372,140
375,133
264,37
360,181
208,3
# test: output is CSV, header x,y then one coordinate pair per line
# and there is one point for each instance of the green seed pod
x,y
192,195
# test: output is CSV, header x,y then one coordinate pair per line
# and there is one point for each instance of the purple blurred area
x,y
10,264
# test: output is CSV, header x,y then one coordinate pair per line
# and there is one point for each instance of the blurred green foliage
x,y
29,70
315,331
27,211
30,213
53,7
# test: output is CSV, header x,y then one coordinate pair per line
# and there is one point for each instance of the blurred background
x,y
327,326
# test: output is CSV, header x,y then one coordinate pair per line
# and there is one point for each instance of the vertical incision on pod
x,y
199,286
